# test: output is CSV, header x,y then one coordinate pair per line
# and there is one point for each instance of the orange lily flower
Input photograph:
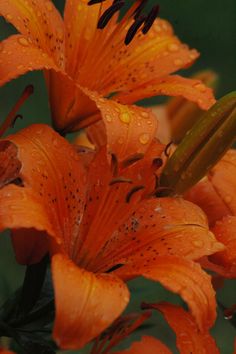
x,y
215,194
103,226
5,351
75,55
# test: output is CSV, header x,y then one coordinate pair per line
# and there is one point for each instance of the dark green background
x,y
209,26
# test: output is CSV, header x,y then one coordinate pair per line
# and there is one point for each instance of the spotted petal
x,y
52,187
28,58
192,90
40,22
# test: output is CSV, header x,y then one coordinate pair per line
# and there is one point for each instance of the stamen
x,y
131,160
120,180
114,165
163,192
15,119
139,9
150,19
134,29
157,163
132,191
107,15
12,116
117,266
166,151
230,313
93,2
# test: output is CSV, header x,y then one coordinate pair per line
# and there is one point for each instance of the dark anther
x,y
132,191
18,182
29,89
117,266
93,2
150,19
15,119
134,29
114,165
120,180
157,163
132,159
107,15
166,152
139,9
163,192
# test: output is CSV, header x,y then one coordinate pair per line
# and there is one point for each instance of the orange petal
x,y
223,179
216,193
57,181
189,339
108,204
20,208
205,195
185,278
149,345
19,56
159,227
80,30
86,304
71,108
40,22
154,55
129,129
225,233
5,351
192,90
9,164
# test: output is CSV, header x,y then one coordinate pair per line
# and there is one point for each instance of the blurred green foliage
x,y
210,27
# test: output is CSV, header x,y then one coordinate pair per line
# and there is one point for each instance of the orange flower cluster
x,y
100,212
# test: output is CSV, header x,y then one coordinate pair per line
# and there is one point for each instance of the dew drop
x,y
144,138
178,62
125,117
23,41
49,6
200,87
173,47
9,17
144,114
197,243
108,118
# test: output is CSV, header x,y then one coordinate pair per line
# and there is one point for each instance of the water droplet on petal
x,y
144,138
9,17
125,117
200,87
178,62
173,47
108,118
49,6
23,41
144,114
198,243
